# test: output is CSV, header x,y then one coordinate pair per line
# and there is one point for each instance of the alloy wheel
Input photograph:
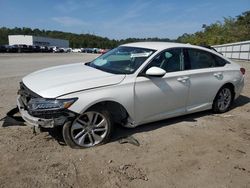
x,y
89,129
224,99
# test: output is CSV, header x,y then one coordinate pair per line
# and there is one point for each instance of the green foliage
x,y
75,40
231,30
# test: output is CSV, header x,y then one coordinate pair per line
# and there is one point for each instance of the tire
x,y
223,100
93,127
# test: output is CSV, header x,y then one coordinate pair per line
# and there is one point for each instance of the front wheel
x,y
223,100
91,128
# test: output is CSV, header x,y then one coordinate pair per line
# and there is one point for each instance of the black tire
x,y
216,103
67,136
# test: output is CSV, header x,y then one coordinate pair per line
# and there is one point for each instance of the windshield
x,y
122,60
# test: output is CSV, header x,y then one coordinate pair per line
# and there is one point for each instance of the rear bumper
x,y
239,87
39,122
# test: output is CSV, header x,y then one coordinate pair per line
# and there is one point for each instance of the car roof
x,y
161,45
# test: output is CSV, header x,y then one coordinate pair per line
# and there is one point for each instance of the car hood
x,y
60,80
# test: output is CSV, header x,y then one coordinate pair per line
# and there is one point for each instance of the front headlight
x,y
41,104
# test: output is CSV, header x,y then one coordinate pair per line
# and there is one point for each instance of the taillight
x,y
242,70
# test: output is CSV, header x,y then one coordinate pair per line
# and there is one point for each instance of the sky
x,y
119,19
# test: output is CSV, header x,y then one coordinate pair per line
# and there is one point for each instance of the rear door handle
x,y
218,74
182,79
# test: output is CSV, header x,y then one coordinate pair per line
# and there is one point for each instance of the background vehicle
x,y
45,49
133,84
36,49
57,49
95,50
103,51
88,50
76,50
3,48
21,48
11,48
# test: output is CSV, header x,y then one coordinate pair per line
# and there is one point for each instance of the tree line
x,y
230,30
75,40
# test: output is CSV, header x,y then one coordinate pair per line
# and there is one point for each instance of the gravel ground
x,y
198,150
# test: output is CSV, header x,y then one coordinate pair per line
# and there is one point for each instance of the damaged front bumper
x,y
42,122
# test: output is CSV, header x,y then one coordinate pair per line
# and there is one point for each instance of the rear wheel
x,y
223,100
91,128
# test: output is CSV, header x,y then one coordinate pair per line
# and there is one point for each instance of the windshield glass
x,y
122,60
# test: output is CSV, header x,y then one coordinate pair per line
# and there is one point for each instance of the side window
x,y
200,59
219,62
170,60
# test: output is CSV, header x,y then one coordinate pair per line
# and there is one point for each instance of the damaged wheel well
x,y
118,113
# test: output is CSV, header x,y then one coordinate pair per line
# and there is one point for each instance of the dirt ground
x,y
198,150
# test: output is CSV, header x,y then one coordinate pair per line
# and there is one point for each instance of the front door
x,y
162,97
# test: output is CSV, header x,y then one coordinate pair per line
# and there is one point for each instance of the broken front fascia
x,y
43,122
42,112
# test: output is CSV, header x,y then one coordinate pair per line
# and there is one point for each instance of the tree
x,y
230,30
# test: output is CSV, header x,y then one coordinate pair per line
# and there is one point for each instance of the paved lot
x,y
198,150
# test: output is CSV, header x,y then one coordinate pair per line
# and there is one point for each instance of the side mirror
x,y
155,71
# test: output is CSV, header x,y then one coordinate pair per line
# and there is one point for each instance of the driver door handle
x,y
183,79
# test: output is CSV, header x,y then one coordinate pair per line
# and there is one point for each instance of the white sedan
x,y
133,84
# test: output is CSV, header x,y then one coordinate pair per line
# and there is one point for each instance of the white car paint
x,y
155,71
60,80
146,99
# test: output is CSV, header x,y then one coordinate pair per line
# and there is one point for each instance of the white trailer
x,y
37,41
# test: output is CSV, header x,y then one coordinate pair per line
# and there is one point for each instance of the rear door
x,y
205,71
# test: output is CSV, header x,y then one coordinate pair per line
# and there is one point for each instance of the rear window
x,y
200,59
219,62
